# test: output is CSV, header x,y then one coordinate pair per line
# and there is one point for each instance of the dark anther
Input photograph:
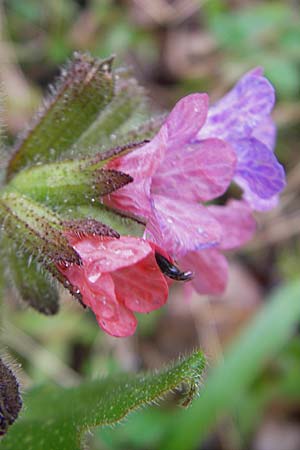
x,y
170,270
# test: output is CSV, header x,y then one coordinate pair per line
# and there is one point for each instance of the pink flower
x,y
210,266
117,278
172,174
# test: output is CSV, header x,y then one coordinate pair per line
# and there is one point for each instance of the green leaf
x,y
246,358
144,430
85,88
283,73
279,382
56,418
248,27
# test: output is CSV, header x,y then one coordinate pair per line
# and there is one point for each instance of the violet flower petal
x,y
258,169
255,202
240,111
266,133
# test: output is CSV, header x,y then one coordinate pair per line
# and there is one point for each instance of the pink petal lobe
x,y
142,287
185,119
111,314
210,268
237,222
199,171
101,254
141,164
123,325
99,295
180,227
134,198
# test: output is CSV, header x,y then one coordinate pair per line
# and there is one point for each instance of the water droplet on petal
x,y
107,310
94,276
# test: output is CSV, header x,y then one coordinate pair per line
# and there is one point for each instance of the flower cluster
x,y
195,156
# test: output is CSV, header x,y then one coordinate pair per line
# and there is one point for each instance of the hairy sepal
x,y
124,111
77,182
84,88
68,183
33,283
35,229
10,399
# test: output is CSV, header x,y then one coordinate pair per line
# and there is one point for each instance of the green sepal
x,y
68,182
57,418
34,284
35,229
124,111
77,182
83,90
89,227
143,132
124,225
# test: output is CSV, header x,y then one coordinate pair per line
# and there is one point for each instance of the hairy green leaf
x,y
246,358
56,418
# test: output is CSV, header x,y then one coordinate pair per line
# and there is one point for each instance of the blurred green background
x,y
174,47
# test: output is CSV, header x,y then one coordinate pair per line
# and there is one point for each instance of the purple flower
x,y
242,118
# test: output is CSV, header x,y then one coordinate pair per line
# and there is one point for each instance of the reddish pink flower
x,y
117,278
172,174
